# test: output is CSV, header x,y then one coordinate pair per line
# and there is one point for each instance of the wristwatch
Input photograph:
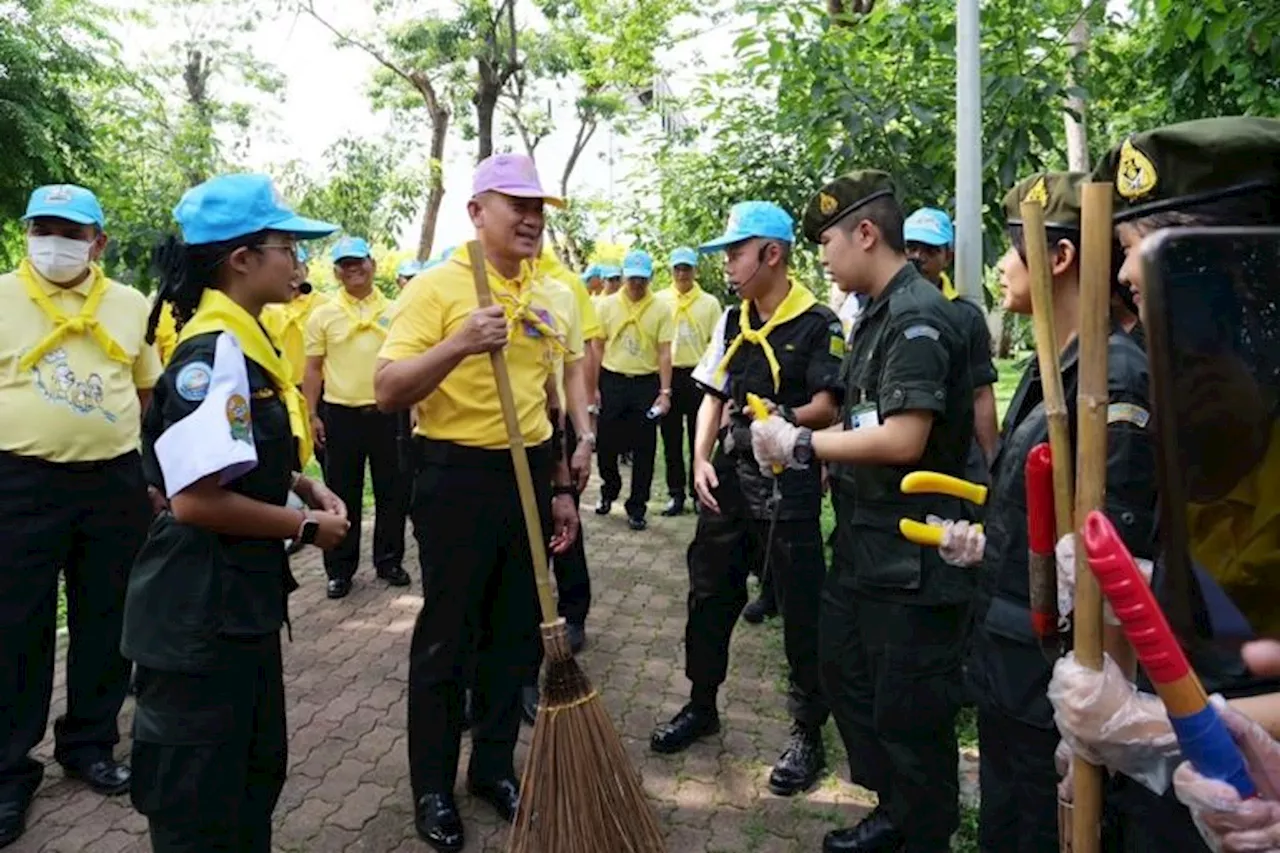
x,y
309,530
803,450
589,438
562,490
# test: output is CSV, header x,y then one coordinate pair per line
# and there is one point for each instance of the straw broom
x,y
578,793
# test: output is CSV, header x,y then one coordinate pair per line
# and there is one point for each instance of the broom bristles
x,y
579,793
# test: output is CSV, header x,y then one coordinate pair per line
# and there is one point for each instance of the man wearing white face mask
x,y
76,373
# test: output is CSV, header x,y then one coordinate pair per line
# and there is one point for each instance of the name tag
x,y
864,417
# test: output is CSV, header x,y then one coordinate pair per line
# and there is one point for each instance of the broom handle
x,y
519,459
1091,470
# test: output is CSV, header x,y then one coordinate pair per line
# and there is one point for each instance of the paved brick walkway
x,y
345,678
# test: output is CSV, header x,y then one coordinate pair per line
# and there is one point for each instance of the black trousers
x,y
354,436
686,397
625,425
210,751
723,548
1019,809
478,625
86,521
892,675
573,581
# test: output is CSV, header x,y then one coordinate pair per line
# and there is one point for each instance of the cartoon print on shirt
x,y
58,384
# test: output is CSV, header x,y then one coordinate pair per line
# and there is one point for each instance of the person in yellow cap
x,y
694,313
207,596
343,339
78,373
479,619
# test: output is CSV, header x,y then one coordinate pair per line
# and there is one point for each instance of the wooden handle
x,y
519,458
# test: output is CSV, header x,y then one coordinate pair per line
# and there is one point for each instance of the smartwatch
x,y
308,531
803,450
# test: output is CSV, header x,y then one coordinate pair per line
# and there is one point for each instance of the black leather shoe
x,y
604,507
637,522
13,822
758,611
690,725
438,823
577,635
674,507
395,576
529,704
502,794
876,834
105,776
801,764
338,588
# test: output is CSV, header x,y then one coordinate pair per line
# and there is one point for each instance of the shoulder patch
x,y
835,343
921,331
192,382
1128,413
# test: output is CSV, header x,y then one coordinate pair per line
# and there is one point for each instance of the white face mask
x,y
59,259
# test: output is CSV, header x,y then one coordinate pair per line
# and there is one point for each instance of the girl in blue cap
x,y
207,597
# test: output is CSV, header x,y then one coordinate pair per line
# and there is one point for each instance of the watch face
x,y
310,528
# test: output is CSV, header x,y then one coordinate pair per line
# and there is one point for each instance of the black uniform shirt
x,y
982,370
189,585
907,354
809,349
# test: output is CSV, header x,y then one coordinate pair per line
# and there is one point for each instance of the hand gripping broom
x,y
579,793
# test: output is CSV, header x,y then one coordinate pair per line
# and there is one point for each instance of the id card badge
x,y
864,417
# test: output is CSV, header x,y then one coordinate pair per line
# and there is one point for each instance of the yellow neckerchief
x,y
1236,538
218,313
351,307
84,323
948,289
295,313
684,306
635,311
516,298
797,301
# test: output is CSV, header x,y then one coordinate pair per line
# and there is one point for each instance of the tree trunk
x,y
1077,135
435,197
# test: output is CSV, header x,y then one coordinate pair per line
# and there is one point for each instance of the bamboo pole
x,y
1091,473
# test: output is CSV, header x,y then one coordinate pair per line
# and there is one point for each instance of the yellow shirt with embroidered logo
x,y
464,408
76,403
287,324
632,333
350,353
695,315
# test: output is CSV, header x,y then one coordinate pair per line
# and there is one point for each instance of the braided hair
x,y
185,270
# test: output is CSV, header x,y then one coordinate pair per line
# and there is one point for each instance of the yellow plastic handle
x,y
760,412
928,535
932,483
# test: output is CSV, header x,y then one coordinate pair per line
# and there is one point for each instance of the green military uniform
x,y
893,614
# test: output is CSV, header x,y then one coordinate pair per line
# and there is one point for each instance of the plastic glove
x,y
1066,769
1104,718
962,542
1226,822
1065,552
774,442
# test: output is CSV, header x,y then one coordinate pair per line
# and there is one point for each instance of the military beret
x,y
843,196
1192,163
1057,192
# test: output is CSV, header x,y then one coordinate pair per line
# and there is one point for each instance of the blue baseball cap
x,y
684,255
637,264
409,268
591,272
66,201
930,226
231,206
350,247
303,255
610,271
748,219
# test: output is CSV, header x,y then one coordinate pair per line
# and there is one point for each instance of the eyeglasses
x,y
291,248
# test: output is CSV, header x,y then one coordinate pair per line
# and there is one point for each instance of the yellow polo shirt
x,y
464,409
695,315
166,333
348,333
631,348
287,324
75,404
586,307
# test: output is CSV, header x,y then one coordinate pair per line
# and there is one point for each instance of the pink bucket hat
x,y
510,174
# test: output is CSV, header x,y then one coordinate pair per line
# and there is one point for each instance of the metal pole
x,y
968,152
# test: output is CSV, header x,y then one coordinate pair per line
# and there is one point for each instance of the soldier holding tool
x,y
893,614
783,345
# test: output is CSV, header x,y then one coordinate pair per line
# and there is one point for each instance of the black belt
x,y
371,409
88,467
430,451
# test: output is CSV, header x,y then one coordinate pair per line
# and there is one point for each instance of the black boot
x,y
693,723
759,610
674,507
876,834
801,763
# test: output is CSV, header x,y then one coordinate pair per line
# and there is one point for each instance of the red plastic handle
x,y
1041,521
1133,602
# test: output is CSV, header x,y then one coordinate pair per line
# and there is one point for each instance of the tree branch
x,y
310,8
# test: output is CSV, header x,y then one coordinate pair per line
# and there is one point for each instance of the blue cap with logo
x,y
231,206
408,269
350,247
684,256
637,264
591,272
930,226
610,271
750,219
66,201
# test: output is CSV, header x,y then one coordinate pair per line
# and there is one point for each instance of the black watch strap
x,y
557,491
310,529
803,450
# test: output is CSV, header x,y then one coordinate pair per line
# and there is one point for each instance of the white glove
x,y
1105,720
962,543
774,443
1227,823
1065,551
